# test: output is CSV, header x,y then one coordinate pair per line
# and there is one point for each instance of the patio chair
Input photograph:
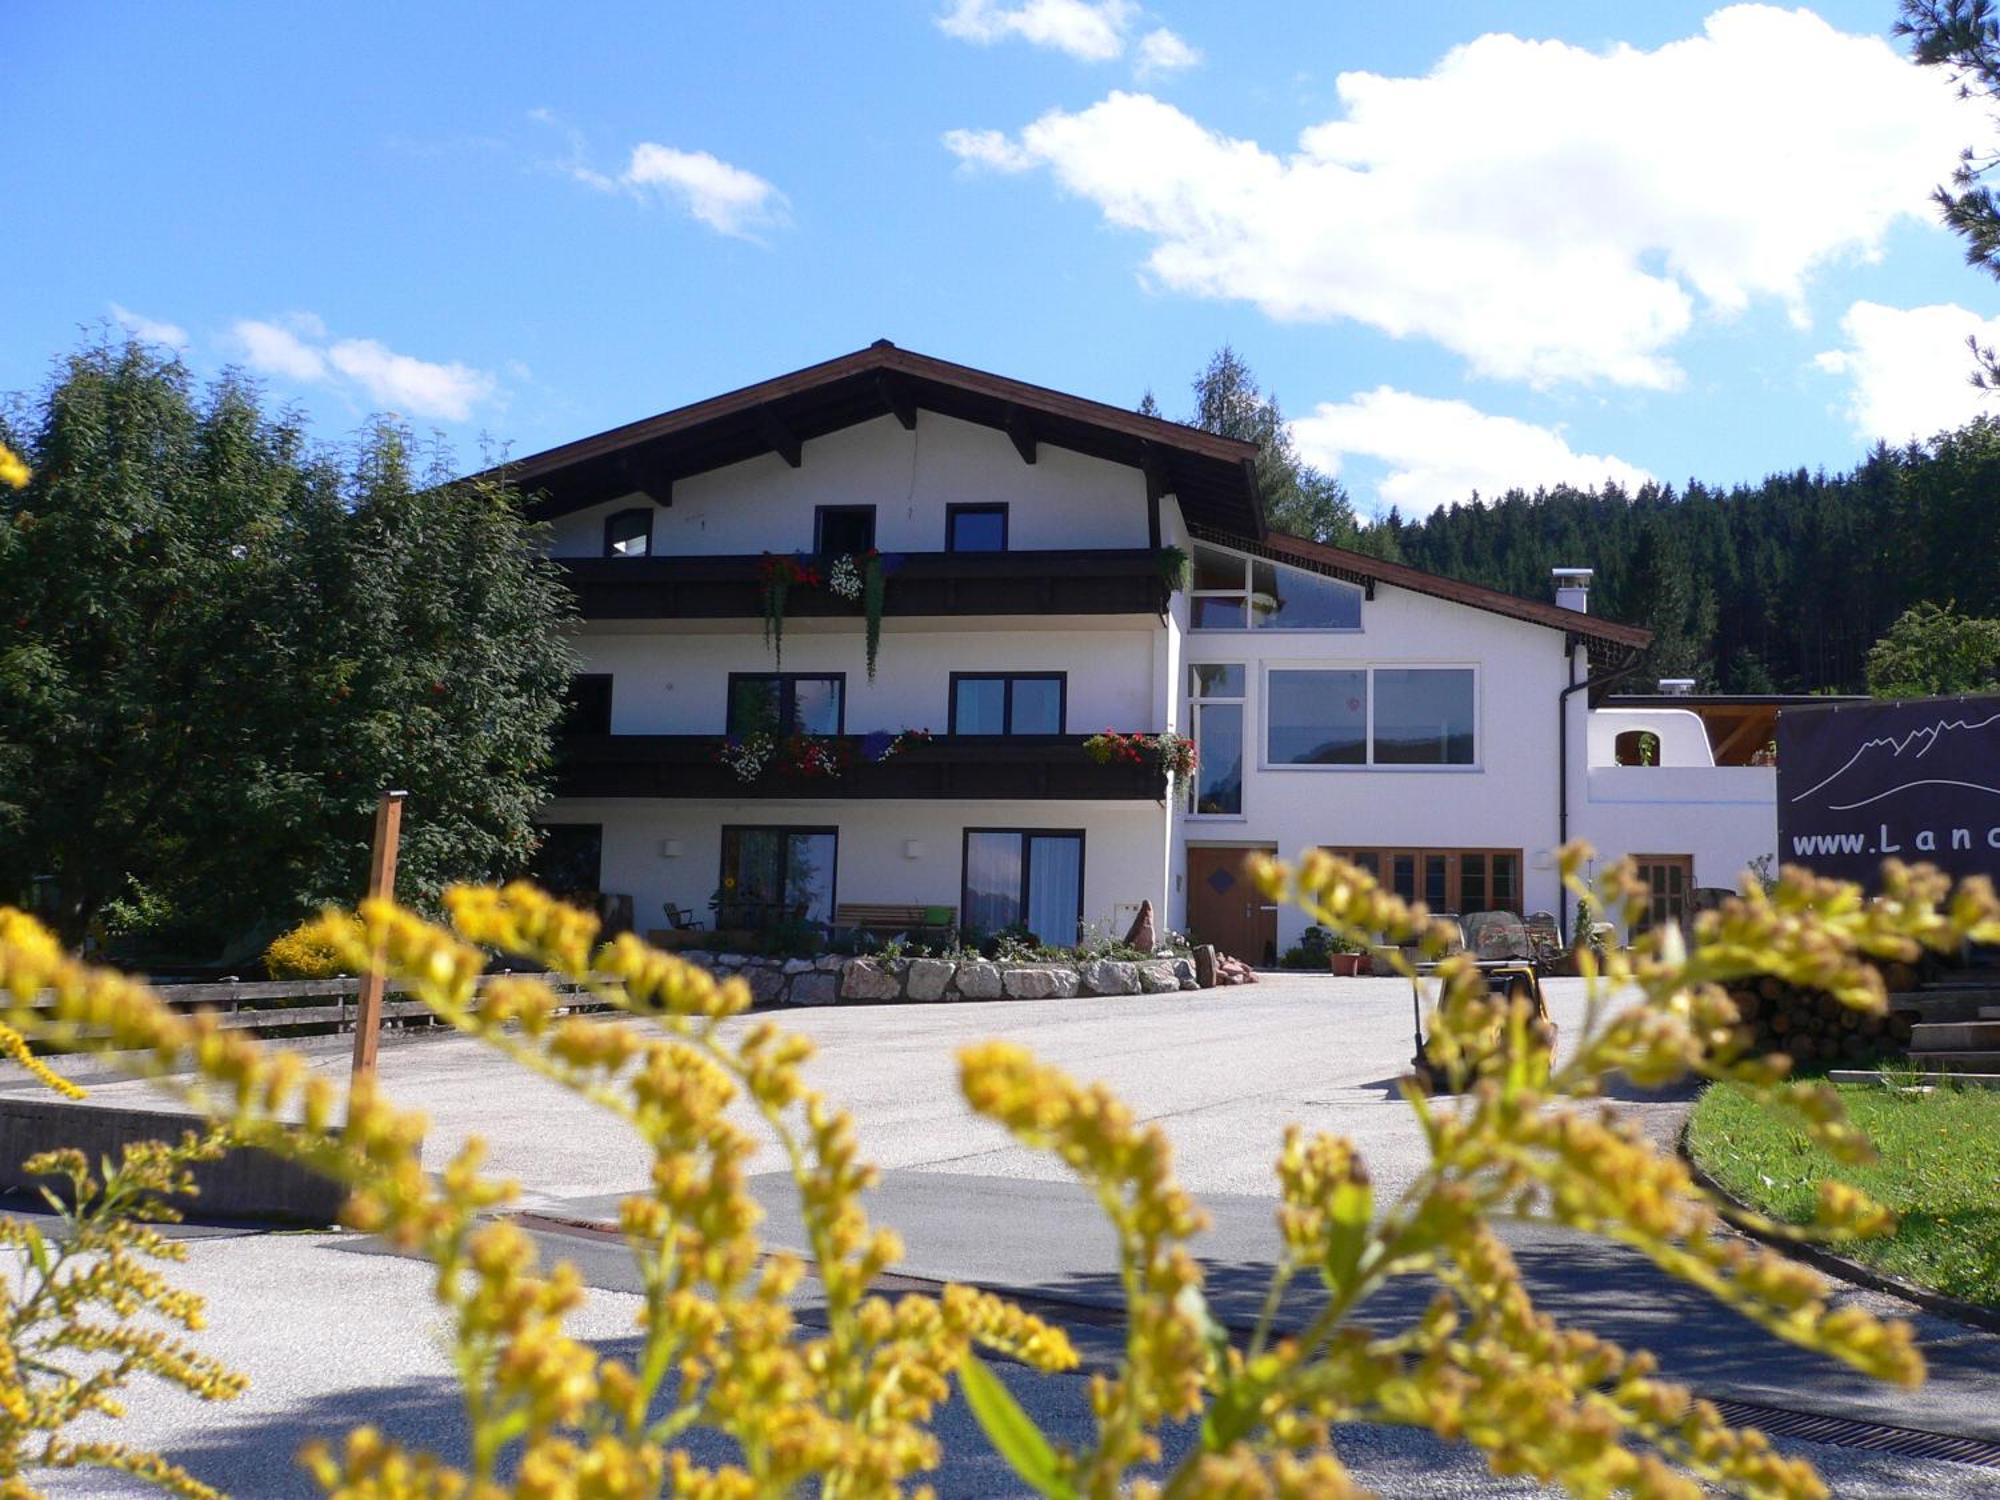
x,y
681,919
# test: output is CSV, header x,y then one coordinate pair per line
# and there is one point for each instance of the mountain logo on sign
x,y
1868,758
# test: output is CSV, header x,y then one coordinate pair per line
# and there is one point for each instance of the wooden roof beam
x,y
648,477
784,442
1020,433
896,396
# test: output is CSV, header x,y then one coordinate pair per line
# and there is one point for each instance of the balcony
x,y
1099,581
1042,768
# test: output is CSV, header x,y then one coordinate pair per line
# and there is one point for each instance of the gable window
x,y
787,703
1371,716
975,528
843,528
629,533
776,875
587,710
1215,718
1024,877
1234,592
1008,702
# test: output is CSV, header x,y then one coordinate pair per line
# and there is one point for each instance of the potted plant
x,y
1345,957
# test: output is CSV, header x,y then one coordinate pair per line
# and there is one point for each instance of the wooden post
x,y
381,885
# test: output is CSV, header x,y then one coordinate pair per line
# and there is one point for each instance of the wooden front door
x,y
1671,877
1226,908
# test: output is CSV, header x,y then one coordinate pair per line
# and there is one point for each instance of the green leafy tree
x,y
218,647
1933,650
1962,37
1297,497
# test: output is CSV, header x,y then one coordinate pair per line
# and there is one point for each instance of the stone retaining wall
x,y
830,979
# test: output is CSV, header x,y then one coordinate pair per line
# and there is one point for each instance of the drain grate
x,y
1851,1432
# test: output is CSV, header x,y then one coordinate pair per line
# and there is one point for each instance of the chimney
x,y
1676,687
1572,588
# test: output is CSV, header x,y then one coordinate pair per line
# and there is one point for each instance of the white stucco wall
x,y
1725,816
677,683
1683,737
1506,801
1122,863
1062,500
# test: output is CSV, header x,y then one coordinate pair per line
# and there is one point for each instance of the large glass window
x,y
975,528
786,703
1024,878
1007,702
774,875
1233,592
1423,716
1215,715
1316,718
568,859
1379,716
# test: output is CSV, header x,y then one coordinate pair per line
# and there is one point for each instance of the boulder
x,y
1204,967
767,984
929,977
1144,933
978,981
1107,976
1067,982
1158,977
829,963
868,979
1030,984
799,966
813,988
1184,971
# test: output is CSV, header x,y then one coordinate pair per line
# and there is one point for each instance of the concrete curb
x,y
1973,1314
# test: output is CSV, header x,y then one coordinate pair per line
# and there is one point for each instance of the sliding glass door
x,y
1022,877
772,875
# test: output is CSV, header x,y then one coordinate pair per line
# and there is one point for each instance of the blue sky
x,y
1467,244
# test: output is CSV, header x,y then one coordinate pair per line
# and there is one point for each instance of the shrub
x,y
306,952
846,1408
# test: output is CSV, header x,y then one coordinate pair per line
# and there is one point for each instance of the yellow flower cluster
x,y
846,1409
13,472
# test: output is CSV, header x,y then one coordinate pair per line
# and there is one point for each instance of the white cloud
x,y
1909,369
296,348
1438,452
151,330
992,150
273,349
1548,212
1163,51
727,199
1088,30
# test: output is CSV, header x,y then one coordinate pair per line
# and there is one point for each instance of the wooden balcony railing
x,y
1100,581
973,767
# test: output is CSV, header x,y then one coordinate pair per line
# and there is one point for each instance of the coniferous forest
x,y
1775,587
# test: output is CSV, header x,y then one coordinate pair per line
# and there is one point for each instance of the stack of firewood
x,y
1814,1028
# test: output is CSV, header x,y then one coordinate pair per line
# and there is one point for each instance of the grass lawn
x,y
1940,1172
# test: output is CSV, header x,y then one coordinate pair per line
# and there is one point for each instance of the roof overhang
x,y
1605,638
1211,476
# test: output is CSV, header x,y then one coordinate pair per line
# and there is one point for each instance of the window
x,y
1215,719
1031,878
1637,747
1446,880
588,708
568,858
1233,592
1316,718
843,528
975,528
774,875
786,703
629,533
1008,702
1670,880
1371,716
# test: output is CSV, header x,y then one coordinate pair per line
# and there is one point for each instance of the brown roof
x,y
1211,475
1361,568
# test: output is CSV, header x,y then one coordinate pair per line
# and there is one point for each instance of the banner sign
x,y
1918,779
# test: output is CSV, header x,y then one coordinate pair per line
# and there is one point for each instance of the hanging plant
x,y
811,757
880,745
1175,753
1176,569
778,576
872,591
747,755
